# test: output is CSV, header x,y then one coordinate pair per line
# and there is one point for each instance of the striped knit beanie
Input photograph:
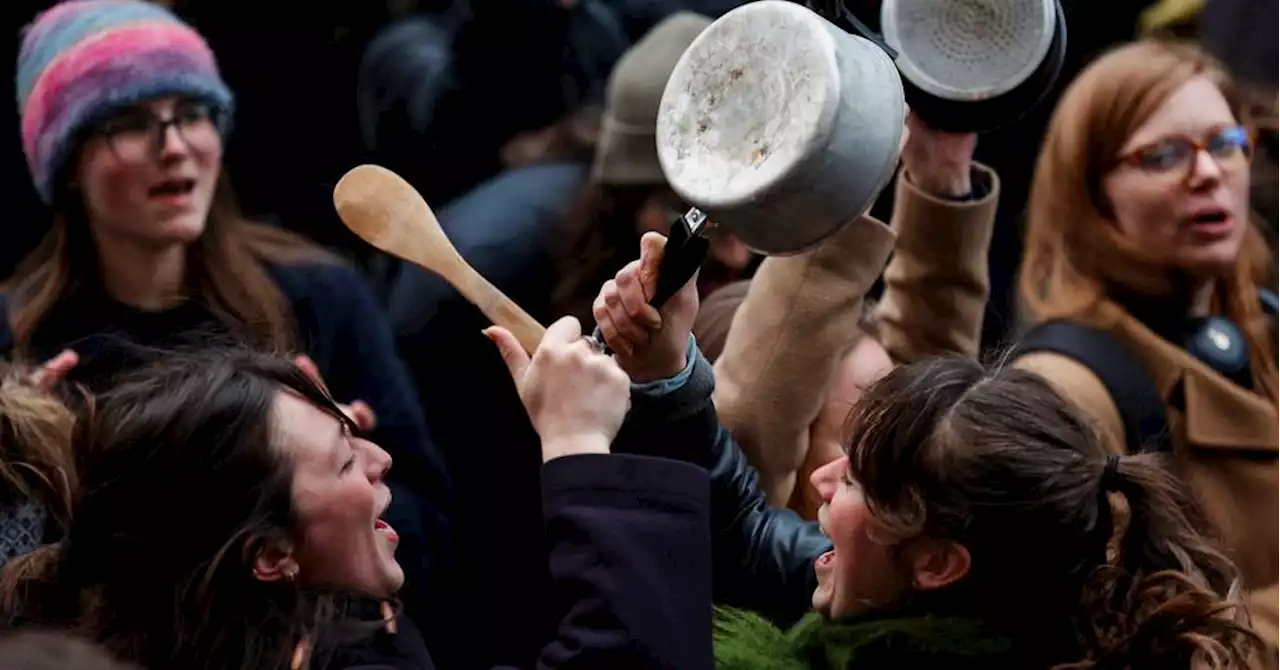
x,y
83,60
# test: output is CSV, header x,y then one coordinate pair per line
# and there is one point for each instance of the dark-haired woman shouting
x,y
231,516
975,520
123,121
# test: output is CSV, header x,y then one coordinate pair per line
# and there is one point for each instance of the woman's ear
x,y
938,563
273,560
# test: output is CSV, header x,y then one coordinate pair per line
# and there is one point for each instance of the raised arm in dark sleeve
x,y
762,556
630,559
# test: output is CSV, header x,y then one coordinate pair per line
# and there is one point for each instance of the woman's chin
x,y
822,599
393,579
180,231
1215,260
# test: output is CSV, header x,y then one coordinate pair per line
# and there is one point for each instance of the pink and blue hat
x,y
84,60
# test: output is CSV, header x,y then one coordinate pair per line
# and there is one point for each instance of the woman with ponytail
x,y
976,519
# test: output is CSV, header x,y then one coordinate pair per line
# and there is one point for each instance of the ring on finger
x,y
596,345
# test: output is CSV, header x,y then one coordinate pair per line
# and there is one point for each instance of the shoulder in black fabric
x,y
1146,425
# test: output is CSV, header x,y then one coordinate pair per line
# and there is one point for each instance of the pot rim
x,y
889,26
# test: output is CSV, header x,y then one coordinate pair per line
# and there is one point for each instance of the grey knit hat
x,y
627,150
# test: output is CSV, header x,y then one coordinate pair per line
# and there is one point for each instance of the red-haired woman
x,y
1143,272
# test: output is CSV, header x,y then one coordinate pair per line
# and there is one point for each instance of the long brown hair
x,y
1118,558
227,270
596,239
157,564
1074,252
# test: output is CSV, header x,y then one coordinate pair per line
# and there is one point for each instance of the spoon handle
x,y
500,309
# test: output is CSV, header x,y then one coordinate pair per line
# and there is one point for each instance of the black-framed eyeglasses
x,y
138,135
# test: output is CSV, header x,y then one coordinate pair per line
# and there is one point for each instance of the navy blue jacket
x,y
630,561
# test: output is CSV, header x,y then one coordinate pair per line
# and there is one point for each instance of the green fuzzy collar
x,y
745,641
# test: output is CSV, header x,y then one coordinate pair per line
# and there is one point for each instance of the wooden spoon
x,y
387,212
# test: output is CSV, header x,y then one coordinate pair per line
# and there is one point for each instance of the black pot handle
x,y
685,250
837,13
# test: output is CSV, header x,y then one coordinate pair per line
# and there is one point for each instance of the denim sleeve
x,y
661,387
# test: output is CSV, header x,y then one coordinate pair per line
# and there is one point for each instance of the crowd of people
x,y
226,445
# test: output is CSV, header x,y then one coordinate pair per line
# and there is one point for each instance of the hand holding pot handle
x,y
938,162
649,343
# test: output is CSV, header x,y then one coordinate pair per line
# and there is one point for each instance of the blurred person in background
x,y
1141,255
1241,34
444,91
1170,17
37,469
628,194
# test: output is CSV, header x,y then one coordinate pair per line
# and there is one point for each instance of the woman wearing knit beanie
x,y
123,116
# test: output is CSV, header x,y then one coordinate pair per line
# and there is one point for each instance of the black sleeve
x,y
631,562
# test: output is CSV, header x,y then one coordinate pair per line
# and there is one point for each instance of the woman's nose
x,y
379,462
825,479
172,144
1205,169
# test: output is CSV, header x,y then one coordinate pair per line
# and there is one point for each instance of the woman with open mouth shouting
x,y
1145,274
231,516
124,119
976,520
